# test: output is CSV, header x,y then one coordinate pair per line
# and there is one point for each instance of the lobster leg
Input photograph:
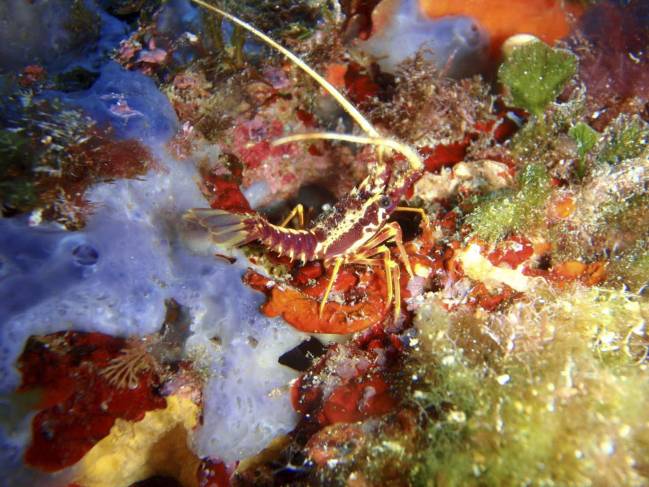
x,y
389,233
332,280
299,211
392,276
396,284
424,216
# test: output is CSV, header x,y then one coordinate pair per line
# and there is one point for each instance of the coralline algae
x,y
457,45
134,253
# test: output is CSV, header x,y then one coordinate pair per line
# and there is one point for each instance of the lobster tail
x,y
226,228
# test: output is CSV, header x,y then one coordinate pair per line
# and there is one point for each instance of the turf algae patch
x,y
507,211
586,138
562,404
625,138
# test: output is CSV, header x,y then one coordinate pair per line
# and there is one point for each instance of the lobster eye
x,y
384,202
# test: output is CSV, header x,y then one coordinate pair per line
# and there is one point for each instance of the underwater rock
x,y
510,346
457,45
178,16
614,63
57,155
58,34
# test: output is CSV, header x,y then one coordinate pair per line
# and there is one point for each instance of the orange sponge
x,y
548,20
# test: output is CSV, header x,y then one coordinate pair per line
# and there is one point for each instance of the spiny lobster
x,y
356,230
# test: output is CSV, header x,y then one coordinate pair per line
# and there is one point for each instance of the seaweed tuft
x,y
535,74
626,137
561,404
586,138
504,212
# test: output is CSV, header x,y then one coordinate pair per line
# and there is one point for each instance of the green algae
x,y
560,134
624,213
631,268
535,74
17,190
507,211
586,138
626,137
559,401
561,405
448,390
546,138
609,218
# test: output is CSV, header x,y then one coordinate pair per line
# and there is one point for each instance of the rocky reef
x,y
504,343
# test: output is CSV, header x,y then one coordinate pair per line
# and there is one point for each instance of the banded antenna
x,y
410,154
329,88
374,138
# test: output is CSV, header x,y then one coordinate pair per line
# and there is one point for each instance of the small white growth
x,y
503,379
479,268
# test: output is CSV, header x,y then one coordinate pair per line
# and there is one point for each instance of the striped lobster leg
x,y
375,246
389,233
226,228
297,211
334,274
368,255
392,276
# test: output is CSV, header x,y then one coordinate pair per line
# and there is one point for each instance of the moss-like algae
x,y
448,390
16,187
507,211
626,137
284,18
631,268
609,218
586,138
560,401
545,139
535,74
562,405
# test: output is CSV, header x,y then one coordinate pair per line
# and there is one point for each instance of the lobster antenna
x,y
413,158
329,88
